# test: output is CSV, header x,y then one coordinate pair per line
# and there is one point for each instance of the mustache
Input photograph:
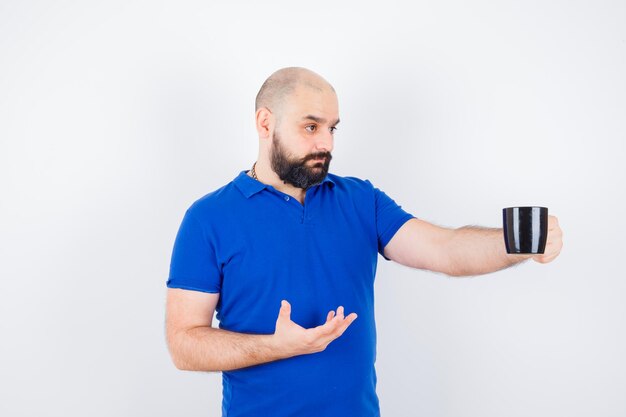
x,y
318,155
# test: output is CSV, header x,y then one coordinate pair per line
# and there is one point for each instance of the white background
x,y
116,116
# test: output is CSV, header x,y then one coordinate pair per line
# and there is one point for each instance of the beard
x,y
294,171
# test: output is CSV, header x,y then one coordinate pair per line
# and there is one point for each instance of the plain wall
x,y
115,116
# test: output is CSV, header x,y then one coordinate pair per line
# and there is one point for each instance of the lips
x,y
320,159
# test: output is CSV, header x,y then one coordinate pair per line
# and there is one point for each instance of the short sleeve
x,y
389,218
194,263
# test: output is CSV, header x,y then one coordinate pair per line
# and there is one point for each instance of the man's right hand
x,y
196,346
292,339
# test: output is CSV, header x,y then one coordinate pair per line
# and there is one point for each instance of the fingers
x,y
553,249
335,324
330,315
554,241
545,259
296,340
333,320
285,310
553,222
344,325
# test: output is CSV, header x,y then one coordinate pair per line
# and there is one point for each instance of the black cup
x,y
525,229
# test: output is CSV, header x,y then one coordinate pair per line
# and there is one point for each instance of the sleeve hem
x,y
187,287
391,231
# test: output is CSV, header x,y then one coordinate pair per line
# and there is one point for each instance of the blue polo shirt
x,y
255,246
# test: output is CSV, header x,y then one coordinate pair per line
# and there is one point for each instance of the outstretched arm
x,y
196,346
466,251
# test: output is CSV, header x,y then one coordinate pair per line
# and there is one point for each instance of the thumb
x,y
285,310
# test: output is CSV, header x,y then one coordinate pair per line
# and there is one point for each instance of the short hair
x,y
283,82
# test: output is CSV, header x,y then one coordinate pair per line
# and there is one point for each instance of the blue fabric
x,y
256,246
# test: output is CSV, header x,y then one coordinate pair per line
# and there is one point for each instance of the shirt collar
x,y
249,186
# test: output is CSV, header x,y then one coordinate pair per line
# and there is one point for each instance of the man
x,y
287,234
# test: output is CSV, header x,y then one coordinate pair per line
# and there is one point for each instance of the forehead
x,y
311,100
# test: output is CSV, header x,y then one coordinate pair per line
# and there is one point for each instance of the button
x,y
286,198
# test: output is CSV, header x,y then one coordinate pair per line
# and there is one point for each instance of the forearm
x,y
211,349
204,348
474,250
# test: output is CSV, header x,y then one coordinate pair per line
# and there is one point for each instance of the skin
x,y
195,345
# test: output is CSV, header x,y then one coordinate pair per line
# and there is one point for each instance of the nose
x,y
324,142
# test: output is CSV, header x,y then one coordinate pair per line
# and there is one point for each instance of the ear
x,y
264,122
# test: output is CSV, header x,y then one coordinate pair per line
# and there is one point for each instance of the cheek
x,y
301,145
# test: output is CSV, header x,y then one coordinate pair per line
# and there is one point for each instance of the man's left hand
x,y
554,242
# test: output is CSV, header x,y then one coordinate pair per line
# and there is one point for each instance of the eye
x,y
310,128
333,129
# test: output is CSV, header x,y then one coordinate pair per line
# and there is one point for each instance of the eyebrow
x,y
320,120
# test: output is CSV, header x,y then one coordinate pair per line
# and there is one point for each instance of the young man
x,y
287,232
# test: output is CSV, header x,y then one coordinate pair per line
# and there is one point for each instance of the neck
x,y
266,175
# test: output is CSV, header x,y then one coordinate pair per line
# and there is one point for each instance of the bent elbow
x,y
184,364
176,357
178,362
180,365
